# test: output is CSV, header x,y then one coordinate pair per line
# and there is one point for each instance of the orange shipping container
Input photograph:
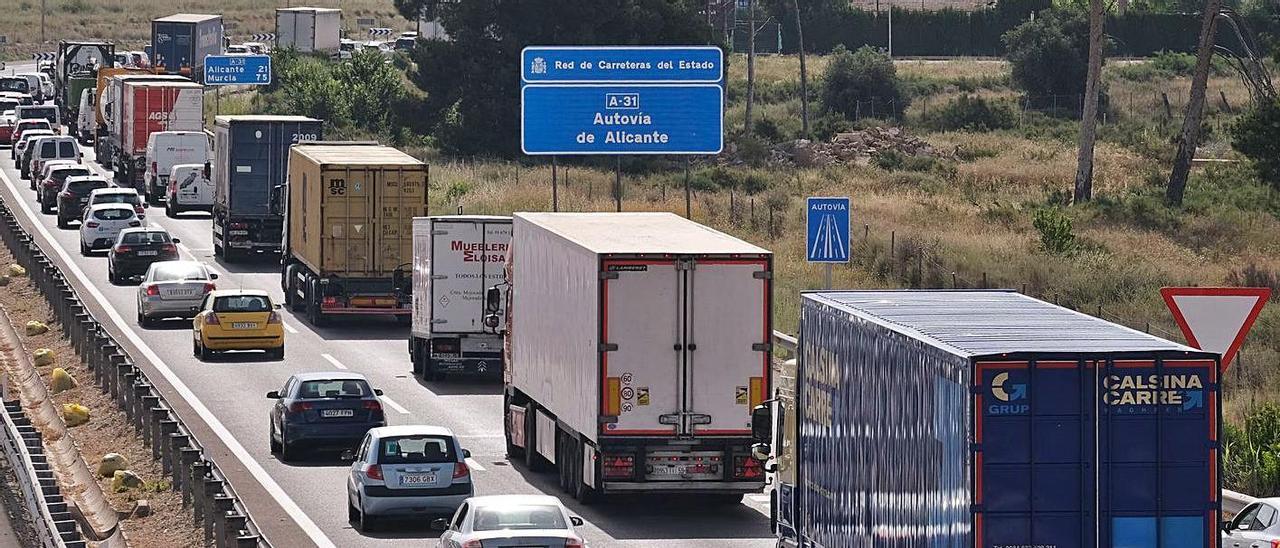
x,y
351,208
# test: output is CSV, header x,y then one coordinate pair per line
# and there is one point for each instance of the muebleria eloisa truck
x,y
637,345
456,258
989,419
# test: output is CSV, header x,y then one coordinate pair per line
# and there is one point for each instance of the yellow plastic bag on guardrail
x,y
112,463
36,328
42,356
17,271
124,480
74,414
61,381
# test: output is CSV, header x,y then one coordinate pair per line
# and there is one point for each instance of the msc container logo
x,y
1012,395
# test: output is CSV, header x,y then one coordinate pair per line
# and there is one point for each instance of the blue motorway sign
x,y
827,239
237,70
636,64
622,119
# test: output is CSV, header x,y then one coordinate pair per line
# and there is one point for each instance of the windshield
x,y
140,238
41,112
178,272
336,388
242,303
416,450
113,214
524,516
117,198
14,84
85,187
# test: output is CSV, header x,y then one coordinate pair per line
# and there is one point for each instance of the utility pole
x,y
804,75
751,63
891,31
41,21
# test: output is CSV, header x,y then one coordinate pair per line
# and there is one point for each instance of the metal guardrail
x,y
786,342
24,449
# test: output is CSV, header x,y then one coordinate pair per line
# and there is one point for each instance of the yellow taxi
x,y
237,320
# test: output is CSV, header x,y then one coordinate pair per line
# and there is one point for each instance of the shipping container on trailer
x,y
456,259
110,91
79,60
251,154
180,42
638,344
309,30
991,419
349,210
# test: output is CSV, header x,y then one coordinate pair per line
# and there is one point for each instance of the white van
x,y
190,189
35,86
166,149
84,117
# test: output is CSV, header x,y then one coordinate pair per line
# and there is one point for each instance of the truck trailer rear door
x,y
728,332
642,349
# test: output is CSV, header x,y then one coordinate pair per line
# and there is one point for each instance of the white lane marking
x,y
288,327
387,400
256,470
333,361
474,465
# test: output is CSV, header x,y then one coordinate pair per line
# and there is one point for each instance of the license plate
x,y
244,325
181,292
417,479
147,253
238,232
337,413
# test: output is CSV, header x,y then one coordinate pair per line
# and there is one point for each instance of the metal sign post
x,y
827,234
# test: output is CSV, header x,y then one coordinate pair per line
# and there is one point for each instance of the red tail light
x,y
66,195
91,224
460,470
122,248
154,169
619,467
210,287
373,405
747,467
153,291
472,544
237,225
329,302
170,248
573,543
374,472
138,209
211,319
1275,544
299,407
273,318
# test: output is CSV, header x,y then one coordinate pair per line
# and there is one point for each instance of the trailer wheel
x,y
563,461
416,357
532,460
314,315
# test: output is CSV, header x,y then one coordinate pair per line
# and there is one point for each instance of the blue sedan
x,y
331,410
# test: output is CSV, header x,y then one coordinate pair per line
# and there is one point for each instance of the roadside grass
x,y
128,22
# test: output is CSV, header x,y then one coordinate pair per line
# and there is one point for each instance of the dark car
x,y
75,195
136,249
329,410
48,190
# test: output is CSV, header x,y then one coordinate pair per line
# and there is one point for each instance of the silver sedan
x,y
173,289
510,520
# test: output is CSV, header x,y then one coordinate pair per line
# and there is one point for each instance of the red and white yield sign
x,y
1216,319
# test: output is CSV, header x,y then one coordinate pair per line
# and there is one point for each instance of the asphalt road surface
x,y
303,503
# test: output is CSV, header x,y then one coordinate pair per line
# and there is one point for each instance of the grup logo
x,y
1012,394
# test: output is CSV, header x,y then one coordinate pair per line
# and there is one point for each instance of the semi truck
x,y
76,65
348,245
309,30
456,258
107,99
180,42
637,345
989,419
251,154
134,108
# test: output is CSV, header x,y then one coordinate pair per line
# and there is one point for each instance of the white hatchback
x,y
102,223
119,195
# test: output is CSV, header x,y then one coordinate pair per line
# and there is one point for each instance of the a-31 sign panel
x,y
622,100
237,70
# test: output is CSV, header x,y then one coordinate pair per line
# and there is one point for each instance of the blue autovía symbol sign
x,y
622,100
828,230
233,70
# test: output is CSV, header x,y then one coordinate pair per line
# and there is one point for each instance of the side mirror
x,y
491,300
440,524
348,455
576,521
274,394
466,453
208,171
276,307
1226,526
761,451
213,276
762,423
491,321
176,241
377,391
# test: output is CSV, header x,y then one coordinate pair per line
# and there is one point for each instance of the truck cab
x,y
166,149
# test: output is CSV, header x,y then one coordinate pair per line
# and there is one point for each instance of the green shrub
x,y
973,114
727,178
865,76
1049,55
752,150
828,125
1251,454
892,160
1056,234
1256,135
768,130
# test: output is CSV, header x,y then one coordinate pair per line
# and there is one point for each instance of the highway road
x,y
303,503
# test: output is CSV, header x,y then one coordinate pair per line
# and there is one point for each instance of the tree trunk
x,y
804,77
1190,137
1089,119
751,63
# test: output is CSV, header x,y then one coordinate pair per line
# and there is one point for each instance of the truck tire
x,y
563,461
416,358
314,314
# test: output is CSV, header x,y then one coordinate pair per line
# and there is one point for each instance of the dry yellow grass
x,y
127,22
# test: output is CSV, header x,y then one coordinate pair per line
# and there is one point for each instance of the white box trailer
x,y
456,259
309,30
638,343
